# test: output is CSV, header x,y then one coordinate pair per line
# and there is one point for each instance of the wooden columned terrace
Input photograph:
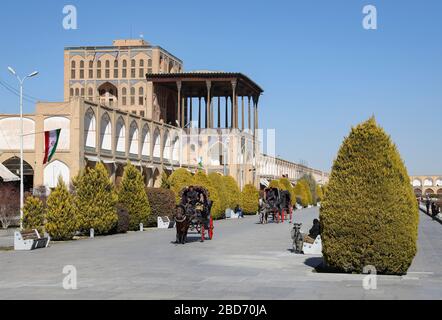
x,y
212,100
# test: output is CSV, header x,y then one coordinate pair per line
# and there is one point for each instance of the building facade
x,y
133,102
427,185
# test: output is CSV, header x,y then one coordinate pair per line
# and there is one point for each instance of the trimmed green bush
x,y
233,194
200,179
218,182
162,203
319,194
302,193
95,200
369,214
34,214
311,185
178,180
275,184
61,219
132,196
250,199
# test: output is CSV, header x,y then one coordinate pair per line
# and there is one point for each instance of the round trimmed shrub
x,y
250,199
369,214
178,180
34,214
132,196
61,218
162,203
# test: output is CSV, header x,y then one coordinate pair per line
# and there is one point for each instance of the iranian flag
x,y
51,142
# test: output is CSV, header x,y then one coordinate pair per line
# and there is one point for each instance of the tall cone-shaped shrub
x,y
233,192
202,180
178,180
250,199
217,181
95,200
302,193
132,196
61,218
369,215
34,214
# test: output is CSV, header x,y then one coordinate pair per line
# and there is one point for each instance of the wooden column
x,y
178,84
227,112
199,112
242,114
219,112
249,115
234,105
191,109
209,118
183,106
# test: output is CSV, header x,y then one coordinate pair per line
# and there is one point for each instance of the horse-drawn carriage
x,y
193,213
276,203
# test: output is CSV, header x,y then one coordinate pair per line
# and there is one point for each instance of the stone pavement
x,y
245,260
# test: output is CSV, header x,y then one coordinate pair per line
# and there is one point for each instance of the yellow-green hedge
x,y
178,180
369,214
250,199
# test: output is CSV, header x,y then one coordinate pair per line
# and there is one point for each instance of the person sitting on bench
x,y
314,232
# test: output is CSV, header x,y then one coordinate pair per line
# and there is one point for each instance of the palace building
x,y
134,102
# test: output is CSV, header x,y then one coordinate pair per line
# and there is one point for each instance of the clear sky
x,y
322,72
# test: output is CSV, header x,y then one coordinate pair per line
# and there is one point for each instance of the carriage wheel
x,y
202,233
282,215
211,229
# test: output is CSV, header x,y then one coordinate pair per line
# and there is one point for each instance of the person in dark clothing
x,y
434,209
314,232
427,204
239,212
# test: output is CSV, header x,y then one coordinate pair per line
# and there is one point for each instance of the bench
x,y
315,248
29,240
165,223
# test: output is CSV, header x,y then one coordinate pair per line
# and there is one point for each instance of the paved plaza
x,y
245,260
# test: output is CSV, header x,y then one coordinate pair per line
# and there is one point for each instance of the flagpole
x,y
22,185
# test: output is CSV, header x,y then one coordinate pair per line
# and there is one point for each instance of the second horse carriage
x,y
276,203
194,214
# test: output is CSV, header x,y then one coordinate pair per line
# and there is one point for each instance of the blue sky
x,y
321,71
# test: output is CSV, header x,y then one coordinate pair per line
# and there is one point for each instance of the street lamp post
x,y
22,188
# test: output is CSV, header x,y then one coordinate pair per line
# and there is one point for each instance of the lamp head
x,y
12,71
33,74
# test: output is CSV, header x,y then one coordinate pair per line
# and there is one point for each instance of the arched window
x,y
73,65
124,96
91,69
116,69
98,69
107,71
90,93
77,92
141,69
132,96
124,71
133,70
141,96
149,66
81,69
82,92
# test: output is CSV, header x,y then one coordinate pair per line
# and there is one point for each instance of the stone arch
x,y
134,145
53,171
108,94
438,182
11,130
13,165
90,129
120,136
176,149
417,182
156,144
53,123
106,132
216,153
428,182
166,146
439,191
156,178
429,191
145,140
418,192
